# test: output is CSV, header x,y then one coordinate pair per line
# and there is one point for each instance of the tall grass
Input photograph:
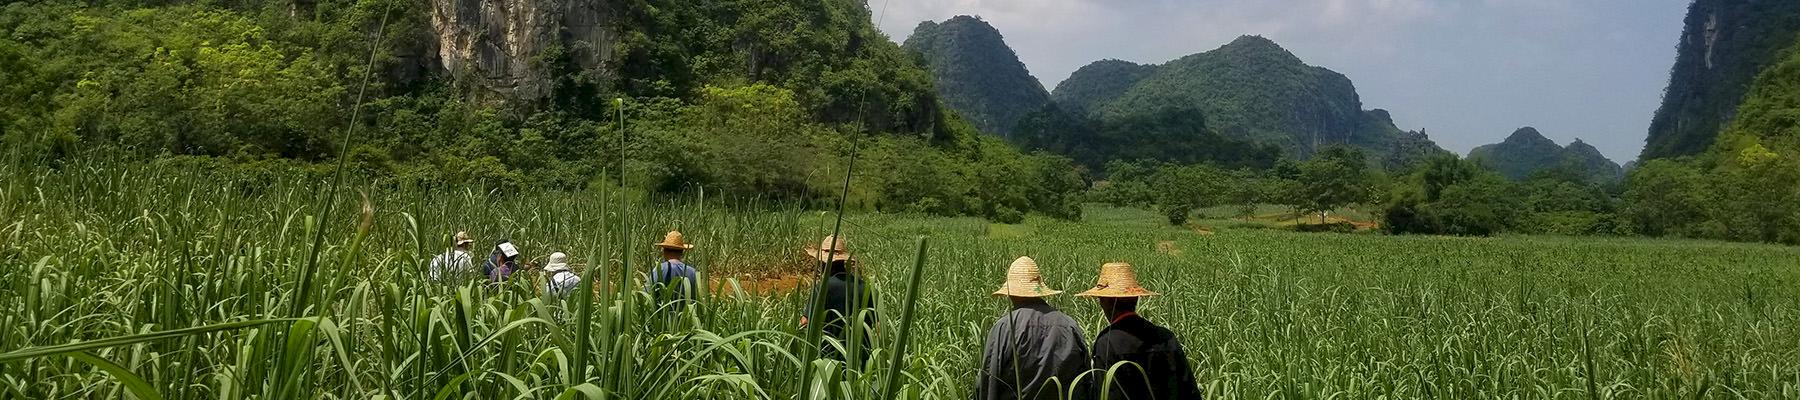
x,y
179,282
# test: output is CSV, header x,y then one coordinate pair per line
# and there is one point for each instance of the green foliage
x,y
1453,197
1724,45
976,74
1747,187
1097,84
1337,176
1253,90
1526,152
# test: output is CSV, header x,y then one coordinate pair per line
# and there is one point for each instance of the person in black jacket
x,y
1149,362
845,297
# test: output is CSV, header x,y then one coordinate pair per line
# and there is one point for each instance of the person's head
x,y
1025,283
1022,301
463,240
1112,306
673,245
1117,290
832,251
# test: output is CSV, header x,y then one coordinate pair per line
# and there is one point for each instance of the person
x,y
558,279
456,261
1034,351
1157,365
844,295
673,280
501,262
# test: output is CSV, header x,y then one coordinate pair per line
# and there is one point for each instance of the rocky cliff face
x,y
1724,45
511,47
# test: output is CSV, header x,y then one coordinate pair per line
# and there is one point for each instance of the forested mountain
x,y
1098,83
1250,91
1527,151
976,74
1724,45
758,98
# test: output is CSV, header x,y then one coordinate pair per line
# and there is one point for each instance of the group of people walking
x,y
1036,351
672,280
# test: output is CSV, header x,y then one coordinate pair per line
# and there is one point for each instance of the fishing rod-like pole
x,y
814,326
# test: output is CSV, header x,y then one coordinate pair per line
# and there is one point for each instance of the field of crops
x,y
170,282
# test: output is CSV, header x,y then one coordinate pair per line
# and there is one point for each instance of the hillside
x,y
1249,90
977,74
1098,83
752,99
1527,151
1723,46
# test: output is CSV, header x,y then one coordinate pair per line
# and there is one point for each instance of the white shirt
x,y
451,264
561,282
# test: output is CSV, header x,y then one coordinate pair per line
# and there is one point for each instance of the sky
x,y
1468,72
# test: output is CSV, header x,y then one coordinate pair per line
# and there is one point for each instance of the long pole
x,y
818,298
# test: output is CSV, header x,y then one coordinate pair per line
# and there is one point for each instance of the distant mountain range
x,y
1244,97
1527,151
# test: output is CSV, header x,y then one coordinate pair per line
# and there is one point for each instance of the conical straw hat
x,y
1117,280
1023,279
838,250
674,240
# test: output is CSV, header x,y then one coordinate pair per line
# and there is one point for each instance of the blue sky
x,y
1468,72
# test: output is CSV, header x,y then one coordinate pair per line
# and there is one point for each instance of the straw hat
x,y
463,238
1117,280
558,262
838,250
674,240
1024,280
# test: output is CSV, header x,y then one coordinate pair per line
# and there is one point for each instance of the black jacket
x,y
845,298
1165,375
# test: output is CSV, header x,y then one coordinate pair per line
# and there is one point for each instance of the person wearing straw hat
x,y
558,279
844,295
1150,362
456,261
1032,345
673,279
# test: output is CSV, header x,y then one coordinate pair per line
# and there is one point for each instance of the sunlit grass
x,y
178,283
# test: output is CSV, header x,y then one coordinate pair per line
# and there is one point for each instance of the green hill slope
x,y
977,74
1098,83
1723,46
1527,151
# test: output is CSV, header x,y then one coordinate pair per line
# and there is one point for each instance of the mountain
x,y
976,74
1098,83
1724,45
1527,151
1250,89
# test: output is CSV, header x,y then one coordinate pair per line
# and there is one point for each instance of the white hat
x,y
558,262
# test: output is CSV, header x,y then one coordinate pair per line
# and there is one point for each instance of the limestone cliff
x,y
511,47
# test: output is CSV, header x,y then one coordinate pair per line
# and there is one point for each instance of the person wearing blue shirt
x,y
673,280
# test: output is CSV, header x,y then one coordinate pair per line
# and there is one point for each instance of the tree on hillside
x,y
1337,176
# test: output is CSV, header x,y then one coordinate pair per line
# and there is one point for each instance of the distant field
x,y
94,254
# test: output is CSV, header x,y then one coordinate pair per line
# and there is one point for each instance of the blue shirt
x,y
670,274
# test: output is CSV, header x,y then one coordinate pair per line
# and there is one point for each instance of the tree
x,y
1337,176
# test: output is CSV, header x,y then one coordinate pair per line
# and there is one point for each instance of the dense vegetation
x,y
977,74
1724,45
104,258
1099,83
1747,187
750,98
1527,151
1253,90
